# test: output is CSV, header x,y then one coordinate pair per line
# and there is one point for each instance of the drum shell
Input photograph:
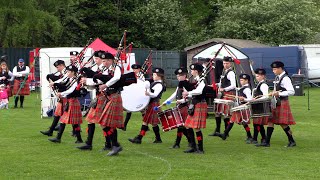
x,y
260,108
170,119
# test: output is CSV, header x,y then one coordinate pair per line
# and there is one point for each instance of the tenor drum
x,y
170,119
261,108
240,113
134,98
222,106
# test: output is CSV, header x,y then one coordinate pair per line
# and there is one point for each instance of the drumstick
x,y
156,108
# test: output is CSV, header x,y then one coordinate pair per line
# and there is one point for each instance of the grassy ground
x,y
26,154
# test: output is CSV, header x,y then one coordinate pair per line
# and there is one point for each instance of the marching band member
x,y
72,110
6,76
197,111
260,93
96,110
112,115
20,73
73,59
151,117
137,70
61,69
182,104
282,114
226,86
237,117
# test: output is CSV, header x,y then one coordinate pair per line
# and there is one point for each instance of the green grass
x,y
27,154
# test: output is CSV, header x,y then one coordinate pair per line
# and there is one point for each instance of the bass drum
x,y
134,98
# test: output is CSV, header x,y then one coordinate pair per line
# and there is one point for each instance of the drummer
x,y
242,117
198,110
282,114
260,93
182,104
227,86
151,117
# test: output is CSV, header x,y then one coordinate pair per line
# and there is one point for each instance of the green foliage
x,y
270,21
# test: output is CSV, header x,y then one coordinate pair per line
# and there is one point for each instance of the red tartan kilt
x,y
151,116
184,113
240,116
24,91
199,118
73,115
282,114
112,115
261,120
9,91
224,109
59,107
95,113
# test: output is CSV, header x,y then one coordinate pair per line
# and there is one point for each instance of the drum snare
x,y
244,111
222,105
170,119
260,108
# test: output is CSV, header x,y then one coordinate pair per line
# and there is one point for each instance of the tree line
x,y
161,24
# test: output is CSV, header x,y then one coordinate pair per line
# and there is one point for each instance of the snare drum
x,y
261,108
222,106
170,119
240,114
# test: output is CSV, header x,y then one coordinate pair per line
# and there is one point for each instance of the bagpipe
x,y
146,66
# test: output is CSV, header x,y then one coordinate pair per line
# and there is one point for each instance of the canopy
x,y
98,44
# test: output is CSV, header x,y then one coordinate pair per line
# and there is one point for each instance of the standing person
x,y
72,110
260,93
96,109
227,86
182,104
151,117
20,73
3,97
73,59
6,76
281,115
112,115
198,110
242,117
62,80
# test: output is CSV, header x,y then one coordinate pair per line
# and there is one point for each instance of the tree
x,y
270,21
25,26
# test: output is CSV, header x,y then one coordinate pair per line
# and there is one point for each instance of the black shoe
x,y
106,148
115,150
254,142
215,134
56,128
47,133
192,150
223,136
85,147
291,144
55,140
157,141
135,140
199,152
78,141
175,146
263,144
249,140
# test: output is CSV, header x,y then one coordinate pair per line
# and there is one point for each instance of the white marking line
x,y
158,158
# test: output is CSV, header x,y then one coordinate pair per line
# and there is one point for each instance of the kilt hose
x,y
25,90
199,119
282,114
151,115
241,116
261,120
60,106
95,113
224,109
73,115
112,115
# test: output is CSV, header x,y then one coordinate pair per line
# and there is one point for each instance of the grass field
x,y
27,154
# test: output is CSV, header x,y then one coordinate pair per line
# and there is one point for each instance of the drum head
x,y
134,98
